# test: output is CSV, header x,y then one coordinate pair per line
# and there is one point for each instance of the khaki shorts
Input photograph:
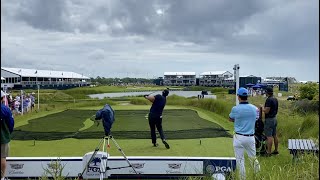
x,y
4,150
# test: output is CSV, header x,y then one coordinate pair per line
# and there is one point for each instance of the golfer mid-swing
x,y
155,116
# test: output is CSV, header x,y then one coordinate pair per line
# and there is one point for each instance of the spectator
x,y
270,110
32,100
244,117
17,106
7,124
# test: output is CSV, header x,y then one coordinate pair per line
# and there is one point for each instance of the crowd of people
x,y
20,103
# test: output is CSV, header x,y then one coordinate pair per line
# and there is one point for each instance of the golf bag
x,y
260,138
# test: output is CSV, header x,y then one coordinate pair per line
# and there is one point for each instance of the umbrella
x,y
256,86
249,84
262,85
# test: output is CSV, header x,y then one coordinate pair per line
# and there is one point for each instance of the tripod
x,y
104,160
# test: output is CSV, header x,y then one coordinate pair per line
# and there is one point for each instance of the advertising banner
x,y
113,167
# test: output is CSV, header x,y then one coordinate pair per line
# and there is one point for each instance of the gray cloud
x,y
123,35
44,14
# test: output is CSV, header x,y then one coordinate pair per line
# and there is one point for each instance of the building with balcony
x,y
179,79
216,78
19,78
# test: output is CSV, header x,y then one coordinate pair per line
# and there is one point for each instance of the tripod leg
x,y
119,148
104,160
93,155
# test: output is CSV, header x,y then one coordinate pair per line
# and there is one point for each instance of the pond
x,y
124,94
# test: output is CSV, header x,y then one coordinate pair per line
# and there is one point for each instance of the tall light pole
x,y
38,94
236,78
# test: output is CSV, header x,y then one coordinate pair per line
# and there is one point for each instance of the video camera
x,y
107,116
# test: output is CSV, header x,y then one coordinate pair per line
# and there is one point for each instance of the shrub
x,y
309,91
139,101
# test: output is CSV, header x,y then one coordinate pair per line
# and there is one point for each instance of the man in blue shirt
x,y
155,116
7,124
244,117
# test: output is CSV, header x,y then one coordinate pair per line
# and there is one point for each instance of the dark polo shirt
x,y
271,102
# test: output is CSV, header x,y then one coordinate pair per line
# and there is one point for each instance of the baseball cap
x,y
269,89
242,92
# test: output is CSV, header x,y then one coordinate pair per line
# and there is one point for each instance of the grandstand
x,y
20,78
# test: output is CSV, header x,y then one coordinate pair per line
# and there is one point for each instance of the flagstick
x,y
38,95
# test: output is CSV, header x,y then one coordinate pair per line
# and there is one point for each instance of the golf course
x,y
61,127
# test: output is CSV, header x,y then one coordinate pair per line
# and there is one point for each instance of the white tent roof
x,y
2,78
44,73
214,72
180,73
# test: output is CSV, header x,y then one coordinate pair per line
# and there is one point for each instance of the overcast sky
x,y
145,38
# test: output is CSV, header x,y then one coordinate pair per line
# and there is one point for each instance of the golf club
x,y
154,92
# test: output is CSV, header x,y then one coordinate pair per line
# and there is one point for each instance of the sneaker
x,y
275,153
166,144
155,144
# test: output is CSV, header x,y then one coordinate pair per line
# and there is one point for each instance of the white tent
x,y
2,78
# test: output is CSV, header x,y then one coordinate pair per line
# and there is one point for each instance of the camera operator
x,y
107,116
155,116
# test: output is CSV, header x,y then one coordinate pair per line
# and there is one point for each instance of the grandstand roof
x,y
179,73
214,72
44,73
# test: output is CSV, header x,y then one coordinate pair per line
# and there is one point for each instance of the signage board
x,y
117,166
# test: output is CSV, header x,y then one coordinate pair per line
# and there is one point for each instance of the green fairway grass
x,y
129,124
31,144
216,147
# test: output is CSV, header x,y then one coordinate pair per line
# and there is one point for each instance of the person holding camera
x,y
244,116
106,114
155,116
270,110
7,125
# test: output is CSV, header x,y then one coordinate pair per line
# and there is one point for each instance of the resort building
x,y
216,78
18,78
179,79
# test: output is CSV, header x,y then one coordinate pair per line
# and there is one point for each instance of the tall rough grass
x,y
218,106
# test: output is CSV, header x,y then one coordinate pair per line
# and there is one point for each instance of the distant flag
x,y
62,73
19,70
36,72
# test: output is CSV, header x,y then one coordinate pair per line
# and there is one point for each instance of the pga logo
x,y
215,169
